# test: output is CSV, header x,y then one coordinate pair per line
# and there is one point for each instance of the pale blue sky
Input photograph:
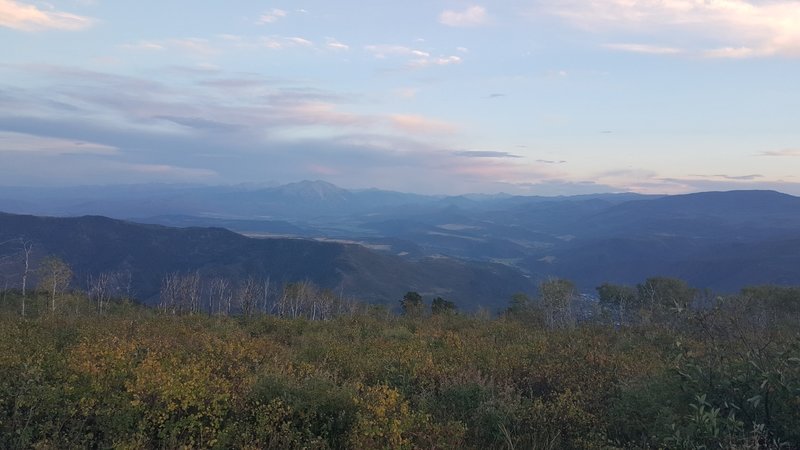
x,y
523,96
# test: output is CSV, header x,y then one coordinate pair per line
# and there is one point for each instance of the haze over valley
x,y
722,241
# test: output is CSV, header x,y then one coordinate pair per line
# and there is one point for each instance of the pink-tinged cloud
x,y
41,145
732,52
183,173
421,125
740,28
25,17
320,113
788,152
497,172
251,106
271,16
471,17
513,171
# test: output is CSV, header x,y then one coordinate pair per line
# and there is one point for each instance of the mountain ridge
x,y
96,244
587,238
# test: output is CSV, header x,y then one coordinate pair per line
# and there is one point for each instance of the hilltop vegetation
x,y
645,370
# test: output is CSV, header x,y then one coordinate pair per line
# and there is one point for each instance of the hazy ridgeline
x,y
476,249
658,365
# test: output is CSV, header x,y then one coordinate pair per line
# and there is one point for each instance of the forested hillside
x,y
145,255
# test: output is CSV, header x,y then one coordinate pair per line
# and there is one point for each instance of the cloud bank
x,y
724,28
25,17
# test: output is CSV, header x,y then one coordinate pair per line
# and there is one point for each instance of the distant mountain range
x,y
718,240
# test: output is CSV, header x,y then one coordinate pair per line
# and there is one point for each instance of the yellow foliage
x,y
383,421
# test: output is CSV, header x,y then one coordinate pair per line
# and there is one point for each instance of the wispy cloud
x,y
25,17
334,44
165,170
470,17
205,47
144,45
239,83
193,46
741,177
42,145
724,28
198,123
283,42
644,48
271,16
731,177
551,161
435,61
485,154
211,106
735,52
419,124
208,131
415,58
382,51
787,152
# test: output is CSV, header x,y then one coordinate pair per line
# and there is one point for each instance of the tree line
x,y
193,294
180,293
556,304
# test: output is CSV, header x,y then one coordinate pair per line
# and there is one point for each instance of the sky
x,y
546,97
